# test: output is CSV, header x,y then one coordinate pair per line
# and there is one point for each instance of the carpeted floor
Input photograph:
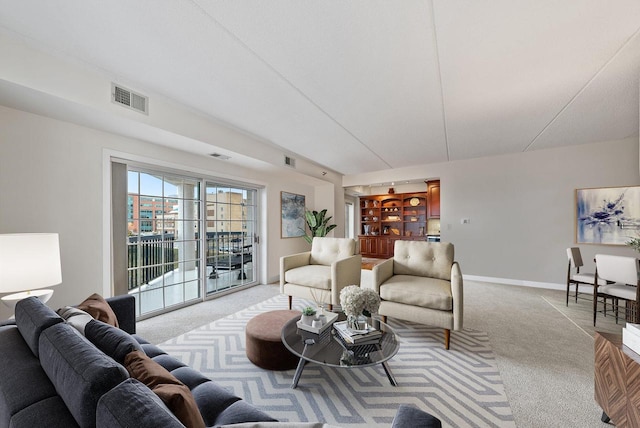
x,y
461,386
542,348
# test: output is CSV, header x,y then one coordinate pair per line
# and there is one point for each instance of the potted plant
x,y
318,224
634,243
307,315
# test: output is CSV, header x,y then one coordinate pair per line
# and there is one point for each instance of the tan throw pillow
x,y
98,308
75,317
175,395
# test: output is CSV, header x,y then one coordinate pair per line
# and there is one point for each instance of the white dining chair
x,y
621,273
583,281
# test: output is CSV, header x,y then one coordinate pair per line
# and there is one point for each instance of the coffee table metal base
x,y
303,362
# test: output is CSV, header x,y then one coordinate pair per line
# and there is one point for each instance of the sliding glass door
x,y
188,239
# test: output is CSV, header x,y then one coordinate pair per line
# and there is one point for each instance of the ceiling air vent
x,y
220,156
130,99
288,161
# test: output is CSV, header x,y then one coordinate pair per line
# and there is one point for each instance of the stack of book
x,y
631,337
350,337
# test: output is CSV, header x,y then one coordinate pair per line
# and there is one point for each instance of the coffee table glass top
x,y
329,349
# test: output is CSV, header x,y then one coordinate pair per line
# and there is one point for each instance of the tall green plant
x,y
318,224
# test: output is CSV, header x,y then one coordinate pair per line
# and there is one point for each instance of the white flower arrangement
x,y
355,300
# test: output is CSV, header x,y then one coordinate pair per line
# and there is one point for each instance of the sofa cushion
x,y
408,415
23,382
76,318
51,409
124,306
110,340
278,425
80,372
99,309
418,291
32,317
314,276
171,391
132,404
241,411
325,251
420,258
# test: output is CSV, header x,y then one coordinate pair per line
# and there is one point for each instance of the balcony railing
x,y
151,256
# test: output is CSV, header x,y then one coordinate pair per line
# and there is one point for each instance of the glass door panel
x,y
164,228
231,228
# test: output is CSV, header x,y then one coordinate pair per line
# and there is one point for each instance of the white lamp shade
x,y
29,261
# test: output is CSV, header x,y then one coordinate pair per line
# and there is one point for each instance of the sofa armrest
x,y
344,272
457,292
409,416
381,273
124,307
291,262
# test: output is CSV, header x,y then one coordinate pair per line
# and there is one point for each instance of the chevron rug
x,y
462,386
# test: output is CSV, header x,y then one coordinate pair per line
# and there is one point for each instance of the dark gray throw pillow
x,y
133,404
80,373
112,341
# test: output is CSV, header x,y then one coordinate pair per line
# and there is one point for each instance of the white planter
x,y
307,319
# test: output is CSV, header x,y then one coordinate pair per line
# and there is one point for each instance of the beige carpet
x,y
543,350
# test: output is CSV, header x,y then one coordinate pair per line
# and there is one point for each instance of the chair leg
x,y
383,318
330,307
447,338
577,285
595,308
290,301
568,286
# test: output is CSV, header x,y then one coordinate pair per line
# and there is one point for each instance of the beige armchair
x,y
321,273
421,283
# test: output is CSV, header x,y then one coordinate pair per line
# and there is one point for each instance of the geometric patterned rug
x,y
462,386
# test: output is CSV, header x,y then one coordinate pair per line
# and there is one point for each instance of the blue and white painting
x,y
608,215
293,208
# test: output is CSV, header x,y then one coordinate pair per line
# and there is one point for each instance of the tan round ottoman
x,y
264,341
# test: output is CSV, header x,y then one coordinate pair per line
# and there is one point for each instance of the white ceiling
x,y
361,86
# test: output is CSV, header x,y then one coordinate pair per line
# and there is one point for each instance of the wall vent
x,y
289,161
220,156
130,99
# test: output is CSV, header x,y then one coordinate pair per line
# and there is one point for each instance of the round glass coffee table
x,y
328,349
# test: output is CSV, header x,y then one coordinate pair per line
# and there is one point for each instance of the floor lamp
x,y
29,262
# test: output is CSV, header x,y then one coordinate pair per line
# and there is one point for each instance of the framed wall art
x,y
607,215
292,215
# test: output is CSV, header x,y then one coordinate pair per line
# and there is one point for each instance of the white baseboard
x,y
518,282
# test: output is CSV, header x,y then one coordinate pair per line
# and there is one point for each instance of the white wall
x,y
52,177
521,207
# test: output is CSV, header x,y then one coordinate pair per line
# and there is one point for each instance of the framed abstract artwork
x,y
607,215
292,215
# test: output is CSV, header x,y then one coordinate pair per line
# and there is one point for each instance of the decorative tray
x,y
331,317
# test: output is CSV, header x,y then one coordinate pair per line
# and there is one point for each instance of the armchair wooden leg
x,y
383,318
447,339
290,301
330,307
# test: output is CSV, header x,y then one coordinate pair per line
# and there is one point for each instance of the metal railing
x,y
151,256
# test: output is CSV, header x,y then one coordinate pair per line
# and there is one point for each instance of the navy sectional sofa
x,y
51,375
